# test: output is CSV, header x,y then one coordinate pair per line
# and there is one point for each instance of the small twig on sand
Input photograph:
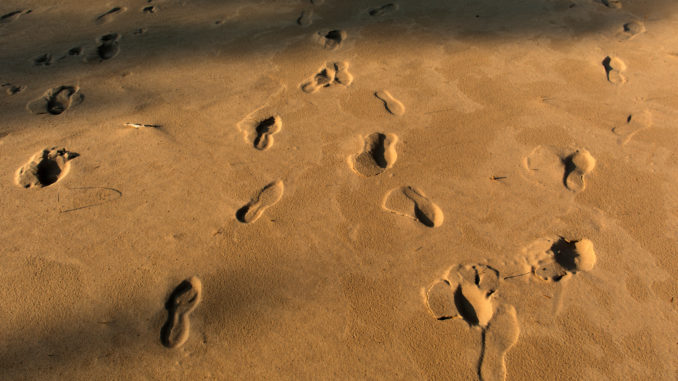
x,y
139,125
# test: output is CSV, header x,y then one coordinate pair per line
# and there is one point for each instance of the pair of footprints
x,y
378,155
548,165
263,130
405,201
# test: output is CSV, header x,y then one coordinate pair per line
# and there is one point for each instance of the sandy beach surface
x,y
339,189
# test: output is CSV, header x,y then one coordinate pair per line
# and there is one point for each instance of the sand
x,y
296,189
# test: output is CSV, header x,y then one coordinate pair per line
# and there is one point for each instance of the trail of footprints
x,y
466,292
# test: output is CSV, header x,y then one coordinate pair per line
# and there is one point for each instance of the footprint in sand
x,y
499,337
110,15
265,131
331,40
12,89
267,197
151,9
77,51
411,202
45,168
634,124
57,100
392,105
109,46
577,167
549,168
306,17
329,74
183,300
614,70
612,3
633,28
72,199
13,16
384,9
466,292
259,127
378,155
43,60
553,259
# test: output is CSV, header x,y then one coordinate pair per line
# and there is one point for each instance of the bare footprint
x,y
612,3
57,100
634,124
329,74
577,167
378,155
180,304
412,202
383,10
109,46
614,70
633,28
306,17
331,40
499,337
554,259
13,16
44,168
109,15
393,105
265,131
267,197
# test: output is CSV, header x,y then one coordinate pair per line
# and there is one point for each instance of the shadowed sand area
x,y
454,190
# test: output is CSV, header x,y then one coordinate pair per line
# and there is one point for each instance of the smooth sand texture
x,y
471,189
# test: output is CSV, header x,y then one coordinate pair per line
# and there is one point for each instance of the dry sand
x,y
296,189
